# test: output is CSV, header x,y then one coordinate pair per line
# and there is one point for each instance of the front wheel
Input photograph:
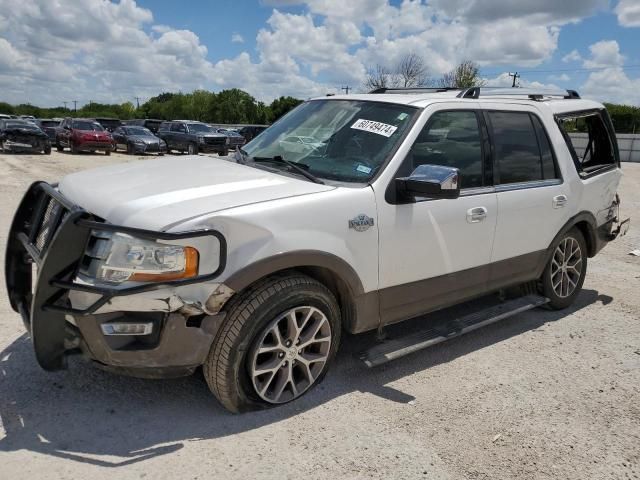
x,y
277,342
59,147
565,273
193,149
47,150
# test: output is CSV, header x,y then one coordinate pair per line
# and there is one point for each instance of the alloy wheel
x,y
566,267
290,354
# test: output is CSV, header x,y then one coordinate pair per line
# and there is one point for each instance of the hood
x,y
157,194
25,132
144,138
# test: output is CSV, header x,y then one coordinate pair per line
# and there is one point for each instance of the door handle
x,y
559,201
476,214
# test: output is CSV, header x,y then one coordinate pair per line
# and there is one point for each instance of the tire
x,y
193,149
74,150
47,150
565,272
251,318
129,149
59,147
107,152
225,153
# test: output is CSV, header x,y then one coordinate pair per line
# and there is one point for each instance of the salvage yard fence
x,y
628,144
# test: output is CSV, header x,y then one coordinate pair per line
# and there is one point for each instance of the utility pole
x,y
346,89
137,102
65,105
75,105
515,76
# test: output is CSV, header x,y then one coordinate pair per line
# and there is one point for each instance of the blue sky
x,y
115,50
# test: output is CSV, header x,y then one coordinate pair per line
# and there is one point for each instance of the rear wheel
x,y
193,149
107,152
47,150
277,342
565,273
73,147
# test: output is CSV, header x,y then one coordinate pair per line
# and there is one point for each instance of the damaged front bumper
x,y
65,315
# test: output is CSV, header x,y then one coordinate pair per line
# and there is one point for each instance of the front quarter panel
x,y
316,222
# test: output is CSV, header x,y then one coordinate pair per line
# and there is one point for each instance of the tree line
x,y
235,106
232,106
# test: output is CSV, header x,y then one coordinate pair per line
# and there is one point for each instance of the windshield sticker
x,y
374,127
363,169
402,116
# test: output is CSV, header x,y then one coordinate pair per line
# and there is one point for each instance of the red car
x,y
83,135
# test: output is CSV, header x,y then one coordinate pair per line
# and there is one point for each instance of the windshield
x,y
88,126
49,123
137,131
343,140
200,128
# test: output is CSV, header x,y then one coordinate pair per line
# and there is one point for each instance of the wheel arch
x,y
333,272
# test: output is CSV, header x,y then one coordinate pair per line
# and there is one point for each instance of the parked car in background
x,y
5,116
83,135
193,137
29,118
235,139
109,124
49,126
152,124
249,132
136,140
23,136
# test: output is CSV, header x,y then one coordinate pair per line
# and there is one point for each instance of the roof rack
x,y
414,89
477,92
531,93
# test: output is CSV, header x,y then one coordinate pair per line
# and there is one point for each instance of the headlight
x,y
138,142
201,139
119,257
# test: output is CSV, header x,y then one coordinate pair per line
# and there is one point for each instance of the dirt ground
x,y
544,395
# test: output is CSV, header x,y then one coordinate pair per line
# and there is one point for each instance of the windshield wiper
x,y
295,167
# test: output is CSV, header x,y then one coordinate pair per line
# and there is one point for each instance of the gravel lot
x,y
541,395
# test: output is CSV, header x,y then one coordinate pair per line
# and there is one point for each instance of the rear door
x,y
533,199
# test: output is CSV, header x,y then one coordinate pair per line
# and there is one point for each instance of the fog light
x,y
127,328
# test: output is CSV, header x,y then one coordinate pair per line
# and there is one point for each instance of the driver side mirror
x,y
67,127
431,181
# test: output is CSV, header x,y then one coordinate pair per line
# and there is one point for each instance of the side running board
x,y
399,347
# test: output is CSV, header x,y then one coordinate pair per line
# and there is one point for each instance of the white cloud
x,y
112,51
605,53
572,56
560,78
628,12
610,82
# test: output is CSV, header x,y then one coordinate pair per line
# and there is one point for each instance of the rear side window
x,y
521,148
588,140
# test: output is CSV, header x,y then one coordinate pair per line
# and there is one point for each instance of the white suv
x,y
397,204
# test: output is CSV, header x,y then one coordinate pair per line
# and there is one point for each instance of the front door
x,y
435,253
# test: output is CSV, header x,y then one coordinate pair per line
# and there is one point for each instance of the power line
x,y
575,70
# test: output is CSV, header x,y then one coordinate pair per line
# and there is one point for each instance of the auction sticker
x,y
374,127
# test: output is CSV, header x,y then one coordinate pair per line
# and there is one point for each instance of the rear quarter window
x,y
590,140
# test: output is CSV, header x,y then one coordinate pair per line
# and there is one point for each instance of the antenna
x,y
515,76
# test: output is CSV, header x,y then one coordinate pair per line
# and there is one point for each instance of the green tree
x,y
282,105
